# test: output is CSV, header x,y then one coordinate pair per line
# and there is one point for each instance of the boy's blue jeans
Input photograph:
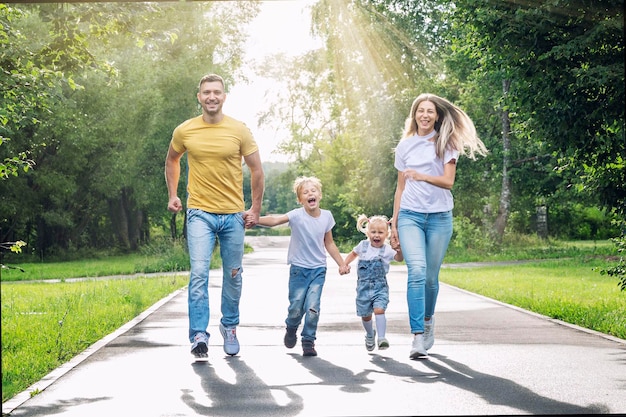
x,y
424,238
202,230
305,294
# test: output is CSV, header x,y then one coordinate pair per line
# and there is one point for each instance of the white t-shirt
x,y
418,153
367,252
306,246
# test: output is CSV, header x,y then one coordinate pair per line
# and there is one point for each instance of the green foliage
x,y
90,98
95,131
469,237
565,58
618,270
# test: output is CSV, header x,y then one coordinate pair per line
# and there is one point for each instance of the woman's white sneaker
x,y
429,333
417,348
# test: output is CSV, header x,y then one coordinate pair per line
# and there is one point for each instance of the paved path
x,y
488,359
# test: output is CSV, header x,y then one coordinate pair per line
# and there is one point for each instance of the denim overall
x,y
372,290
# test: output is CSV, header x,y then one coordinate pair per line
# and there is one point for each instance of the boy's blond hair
x,y
300,181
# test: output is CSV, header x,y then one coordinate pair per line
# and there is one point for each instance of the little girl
x,y
372,291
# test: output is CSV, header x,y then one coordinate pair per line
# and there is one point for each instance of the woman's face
x,y
425,117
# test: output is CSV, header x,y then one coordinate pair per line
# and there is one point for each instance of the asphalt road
x,y
488,359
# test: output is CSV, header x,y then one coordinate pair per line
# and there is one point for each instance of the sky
x,y
281,26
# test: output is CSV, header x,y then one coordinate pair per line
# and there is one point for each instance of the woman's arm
x,y
393,239
444,181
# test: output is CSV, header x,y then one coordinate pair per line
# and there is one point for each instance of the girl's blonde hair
x,y
454,128
363,223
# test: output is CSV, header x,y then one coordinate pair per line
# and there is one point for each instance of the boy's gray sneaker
x,y
231,344
200,345
290,337
308,348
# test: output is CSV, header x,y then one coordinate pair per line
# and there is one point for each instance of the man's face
x,y
211,97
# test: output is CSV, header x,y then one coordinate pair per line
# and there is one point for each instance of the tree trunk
x,y
505,194
119,222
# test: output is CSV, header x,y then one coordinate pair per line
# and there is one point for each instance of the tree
x,y
99,177
565,62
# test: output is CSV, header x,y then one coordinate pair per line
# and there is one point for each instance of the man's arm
x,y
172,175
257,186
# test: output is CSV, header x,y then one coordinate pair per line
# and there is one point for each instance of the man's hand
x,y
175,205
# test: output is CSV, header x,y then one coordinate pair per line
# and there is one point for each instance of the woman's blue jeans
x,y
305,294
424,238
202,230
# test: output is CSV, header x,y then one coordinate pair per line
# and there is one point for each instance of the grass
x,y
172,258
570,290
45,325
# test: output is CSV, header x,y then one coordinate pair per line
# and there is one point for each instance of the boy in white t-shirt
x,y
311,236
375,254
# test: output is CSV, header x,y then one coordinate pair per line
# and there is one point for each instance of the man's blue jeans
x,y
202,230
305,294
424,238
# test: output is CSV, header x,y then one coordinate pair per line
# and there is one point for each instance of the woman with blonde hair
x,y
436,133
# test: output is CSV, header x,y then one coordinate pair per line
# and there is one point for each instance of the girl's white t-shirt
x,y
418,153
367,252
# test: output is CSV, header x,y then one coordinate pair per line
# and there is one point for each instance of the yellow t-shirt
x,y
214,154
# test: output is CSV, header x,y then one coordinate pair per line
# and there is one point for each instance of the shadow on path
x,y
501,391
253,398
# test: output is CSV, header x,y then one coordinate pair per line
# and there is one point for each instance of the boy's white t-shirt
x,y
367,252
306,246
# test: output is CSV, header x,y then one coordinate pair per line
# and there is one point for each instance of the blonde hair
x,y
300,181
454,128
363,223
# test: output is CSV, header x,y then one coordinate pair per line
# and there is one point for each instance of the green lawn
x,y
44,325
570,290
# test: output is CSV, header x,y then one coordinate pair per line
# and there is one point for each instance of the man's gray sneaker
x,y
200,345
231,344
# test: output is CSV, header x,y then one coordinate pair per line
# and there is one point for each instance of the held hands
x,y
394,241
344,269
250,218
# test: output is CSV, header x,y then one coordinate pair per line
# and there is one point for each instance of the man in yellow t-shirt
x,y
215,145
